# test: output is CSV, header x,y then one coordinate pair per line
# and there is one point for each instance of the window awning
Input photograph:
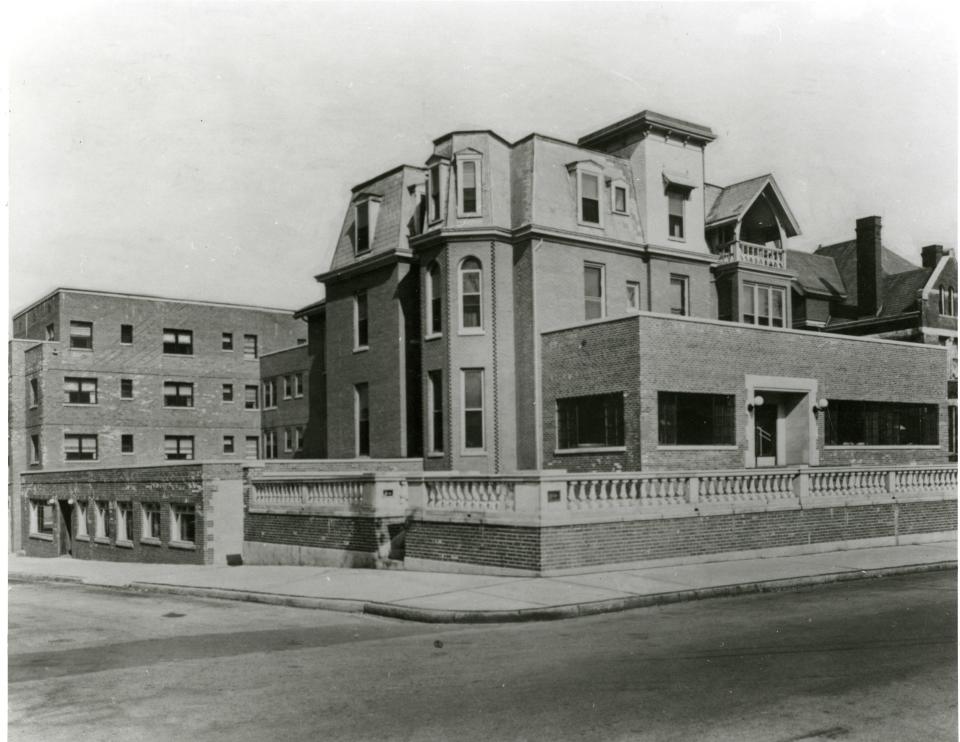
x,y
678,181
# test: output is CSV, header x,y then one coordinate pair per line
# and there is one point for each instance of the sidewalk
x,y
444,597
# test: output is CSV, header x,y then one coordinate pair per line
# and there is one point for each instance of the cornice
x,y
366,265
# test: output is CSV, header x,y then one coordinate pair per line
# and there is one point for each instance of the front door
x,y
765,434
66,528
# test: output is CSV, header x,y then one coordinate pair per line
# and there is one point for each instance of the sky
x,y
206,150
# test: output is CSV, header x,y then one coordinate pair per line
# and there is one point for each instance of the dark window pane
x,y
687,419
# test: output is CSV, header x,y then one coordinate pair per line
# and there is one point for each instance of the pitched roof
x,y
844,255
816,273
901,290
733,201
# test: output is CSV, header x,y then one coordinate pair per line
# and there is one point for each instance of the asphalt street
x,y
868,660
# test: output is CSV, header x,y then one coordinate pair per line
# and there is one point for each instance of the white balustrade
x,y
307,493
738,251
926,480
747,486
612,492
463,495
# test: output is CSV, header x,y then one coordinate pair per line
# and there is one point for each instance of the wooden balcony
x,y
738,251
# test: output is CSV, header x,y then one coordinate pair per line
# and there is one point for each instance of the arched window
x,y
434,291
471,304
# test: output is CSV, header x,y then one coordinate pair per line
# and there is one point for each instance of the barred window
x,y
594,421
860,423
687,419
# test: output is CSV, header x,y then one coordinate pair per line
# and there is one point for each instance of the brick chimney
x,y
931,255
869,273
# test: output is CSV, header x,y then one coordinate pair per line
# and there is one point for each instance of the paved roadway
x,y
870,660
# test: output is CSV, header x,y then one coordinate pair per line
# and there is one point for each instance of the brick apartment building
x,y
456,290
109,379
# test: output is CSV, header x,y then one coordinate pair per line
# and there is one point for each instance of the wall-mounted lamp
x,y
52,501
820,405
757,401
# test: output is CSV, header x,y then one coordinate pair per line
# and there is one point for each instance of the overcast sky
x,y
206,150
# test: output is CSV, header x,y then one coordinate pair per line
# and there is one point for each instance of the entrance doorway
x,y
66,528
765,434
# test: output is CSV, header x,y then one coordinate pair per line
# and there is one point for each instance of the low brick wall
x,y
499,546
211,490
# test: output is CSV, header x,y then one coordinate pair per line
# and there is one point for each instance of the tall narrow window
x,y
269,393
251,447
633,296
125,522
34,449
362,404
298,384
270,444
679,299
298,433
228,444
472,408
435,410
434,292
360,334
288,440
226,393
82,515
675,214
126,334
226,341
126,443
150,527
49,333
287,387
468,172
619,199
251,400
471,302
434,194
363,226
183,523
34,392
178,342
126,388
589,198
250,351
81,335
593,302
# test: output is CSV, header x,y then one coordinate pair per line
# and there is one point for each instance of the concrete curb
x,y
548,613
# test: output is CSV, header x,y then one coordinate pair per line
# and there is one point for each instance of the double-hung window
x,y
79,390
675,205
589,196
34,449
948,301
593,300
177,342
469,185
763,305
594,421
270,444
126,334
251,397
81,335
228,444
298,384
360,322
471,296
633,296
679,295
298,438
178,447
177,394
473,426
226,341
269,393
288,440
34,392
126,443
126,388
80,447
619,197
226,393
362,412
434,293
250,350
435,192
288,387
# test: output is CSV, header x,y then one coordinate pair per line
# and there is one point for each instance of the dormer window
x,y
365,217
589,198
468,180
675,214
436,182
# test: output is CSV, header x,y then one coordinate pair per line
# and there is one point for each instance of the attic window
x,y
436,182
618,196
365,218
469,185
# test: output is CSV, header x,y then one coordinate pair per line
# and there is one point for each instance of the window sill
x,y
32,407
273,407
591,225
859,447
184,545
123,544
178,407
590,449
82,537
149,541
474,452
361,349
251,409
621,213
82,350
298,396
435,455
81,404
127,453
126,399
79,461
42,536
471,215
708,447
468,331
127,345
101,540
433,336
676,239
177,355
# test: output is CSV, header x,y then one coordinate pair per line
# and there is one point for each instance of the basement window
x,y
594,421
688,419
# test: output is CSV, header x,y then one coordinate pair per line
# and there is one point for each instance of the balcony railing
x,y
738,251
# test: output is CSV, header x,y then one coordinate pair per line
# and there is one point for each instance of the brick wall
x,y
319,531
291,411
684,355
195,485
474,543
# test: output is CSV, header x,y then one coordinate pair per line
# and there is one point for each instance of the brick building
x,y
456,289
108,379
